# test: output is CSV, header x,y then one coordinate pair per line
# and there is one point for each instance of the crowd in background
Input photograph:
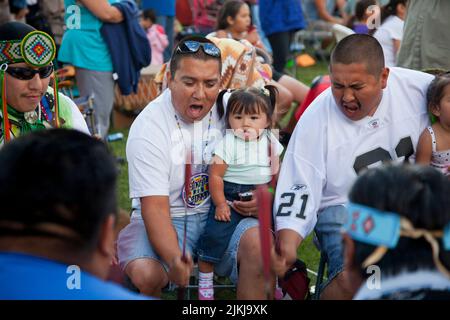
x,y
110,42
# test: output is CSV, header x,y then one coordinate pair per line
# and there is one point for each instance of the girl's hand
x,y
223,213
253,37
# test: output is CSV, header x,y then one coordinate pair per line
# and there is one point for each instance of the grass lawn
x,y
307,251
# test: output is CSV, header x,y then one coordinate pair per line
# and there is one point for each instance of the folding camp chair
x,y
86,106
320,271
340,32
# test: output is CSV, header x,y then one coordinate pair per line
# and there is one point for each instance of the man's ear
x,y
384,77
169,78
107,236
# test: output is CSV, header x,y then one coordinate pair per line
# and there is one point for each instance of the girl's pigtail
x,y
273,93
220,103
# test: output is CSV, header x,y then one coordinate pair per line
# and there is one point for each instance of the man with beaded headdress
x,y
27,102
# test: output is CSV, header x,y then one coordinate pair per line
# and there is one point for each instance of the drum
x,y
147,91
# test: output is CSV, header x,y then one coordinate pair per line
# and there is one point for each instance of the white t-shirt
x,y
156,155
390,30
248,161
327,149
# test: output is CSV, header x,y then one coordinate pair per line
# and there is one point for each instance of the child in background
x,y
434,143
363,12
246,157
156,36
390,33
234,22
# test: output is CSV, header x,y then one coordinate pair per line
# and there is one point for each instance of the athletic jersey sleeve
x,y
302,178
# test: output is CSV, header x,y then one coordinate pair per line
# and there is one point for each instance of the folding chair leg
x,y
320,274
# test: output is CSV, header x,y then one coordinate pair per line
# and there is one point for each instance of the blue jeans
x,y
133,242
328,230
214,240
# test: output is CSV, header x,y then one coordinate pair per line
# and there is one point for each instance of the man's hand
x,y
223,212
278,263
288,242
180,270
247,208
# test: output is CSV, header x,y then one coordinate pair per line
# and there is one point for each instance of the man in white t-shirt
x,y
182,120
369,116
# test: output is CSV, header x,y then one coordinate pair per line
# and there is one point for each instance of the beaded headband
x,y
384,229
36,49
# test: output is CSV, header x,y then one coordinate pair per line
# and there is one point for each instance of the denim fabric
x,y
133,240
214,241
228,266
328,231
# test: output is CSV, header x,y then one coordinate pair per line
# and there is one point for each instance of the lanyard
x,y
207,139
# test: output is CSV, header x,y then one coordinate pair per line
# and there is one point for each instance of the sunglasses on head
x,y
28,73
191,46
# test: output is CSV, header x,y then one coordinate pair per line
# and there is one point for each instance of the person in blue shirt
x,y
165,16
57,217
279,21
84,47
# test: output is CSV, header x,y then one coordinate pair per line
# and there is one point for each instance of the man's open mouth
x,y
195,110
352,108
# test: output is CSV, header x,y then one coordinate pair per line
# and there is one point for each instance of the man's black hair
x,y
149,14
200,54
359,48
418,193
14,30
60,178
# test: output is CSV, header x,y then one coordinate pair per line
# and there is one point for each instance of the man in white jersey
x,y
369,116
183,119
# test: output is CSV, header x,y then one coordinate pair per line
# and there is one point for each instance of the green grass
x,y
307,251
306,75
118,149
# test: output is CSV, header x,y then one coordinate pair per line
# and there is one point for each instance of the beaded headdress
x,y
36,49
